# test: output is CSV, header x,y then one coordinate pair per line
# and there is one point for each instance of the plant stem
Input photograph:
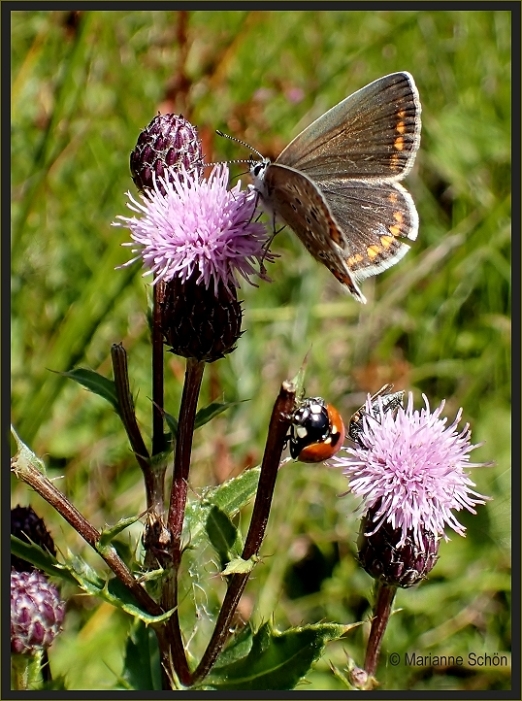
x,y
127,412
382,611
178,498
158,438
277,432
31,475
275,443
26,671
156,537
187,417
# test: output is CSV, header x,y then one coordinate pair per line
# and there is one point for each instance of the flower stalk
x,y
158,436
29,473
26,671
178,498
385,595
277,432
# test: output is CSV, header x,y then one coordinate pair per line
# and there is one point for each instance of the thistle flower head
x,y
410,469
188,227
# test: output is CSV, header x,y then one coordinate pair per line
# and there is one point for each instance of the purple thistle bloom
x,y
410,466
198,226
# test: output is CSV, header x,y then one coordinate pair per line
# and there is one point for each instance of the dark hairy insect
x,y
391,401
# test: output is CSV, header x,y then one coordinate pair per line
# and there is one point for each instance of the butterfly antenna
x,y
236,160
243,143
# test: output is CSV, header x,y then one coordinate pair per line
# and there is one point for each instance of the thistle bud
x,y
27,526
390,558
169,143
37,612
198,322
358,678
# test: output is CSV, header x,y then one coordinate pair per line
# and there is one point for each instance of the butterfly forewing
x,y
374,133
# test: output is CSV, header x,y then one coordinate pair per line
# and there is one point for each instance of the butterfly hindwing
x,y
375,222
298,202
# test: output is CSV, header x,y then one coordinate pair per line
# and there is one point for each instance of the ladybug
x,y
317,431
391,401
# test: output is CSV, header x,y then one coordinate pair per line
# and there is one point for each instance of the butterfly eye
x,y
257,167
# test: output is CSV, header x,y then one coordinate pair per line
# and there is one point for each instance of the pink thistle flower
x,y
409,468
195,228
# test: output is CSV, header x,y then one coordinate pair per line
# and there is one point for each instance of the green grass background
x,y
438,322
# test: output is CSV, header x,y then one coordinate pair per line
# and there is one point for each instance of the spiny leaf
x,y
276,660
239,566
229,497
142,669
96,383
108,533
40,558
112,590
172,423
25,459
209,412
223,535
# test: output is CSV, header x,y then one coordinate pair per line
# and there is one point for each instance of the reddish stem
x,y
277,432
178,499
382,612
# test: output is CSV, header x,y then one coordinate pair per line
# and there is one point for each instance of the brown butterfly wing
x,y
372,134
375,220
299,203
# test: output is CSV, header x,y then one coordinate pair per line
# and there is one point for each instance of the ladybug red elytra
x,y
390,402
317,431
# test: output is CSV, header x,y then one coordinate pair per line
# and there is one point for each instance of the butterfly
x,y
336,185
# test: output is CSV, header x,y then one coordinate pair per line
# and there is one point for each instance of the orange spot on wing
x,y
343,277
387,241
395,161
354,260
335,235
374,251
